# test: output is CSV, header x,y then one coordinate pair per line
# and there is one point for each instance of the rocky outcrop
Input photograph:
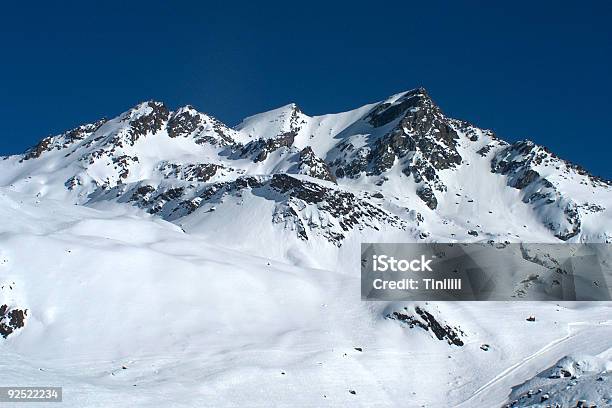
x,y
11,319
64,140
521,162
311,165
201,172
423,129
146,118
185,122
288,124
422,142
576,381
259,149
426,321
426,194
188,122
327,212
309,208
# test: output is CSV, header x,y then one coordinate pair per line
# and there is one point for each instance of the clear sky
x,y
534,69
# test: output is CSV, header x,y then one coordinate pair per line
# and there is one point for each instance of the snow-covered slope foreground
x,y
198,325
162,258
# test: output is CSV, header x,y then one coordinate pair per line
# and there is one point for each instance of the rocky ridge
x,y
395,159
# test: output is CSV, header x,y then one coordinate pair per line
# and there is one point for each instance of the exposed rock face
x,y
520,162
190,172
146,118
260,149
422,135
352,162
64,140
574,381
305,207
11,319
187,122
289,123
123,163
43,146
422,142
422,129
313,166
427,195
295,120
326,212
426,321
171,202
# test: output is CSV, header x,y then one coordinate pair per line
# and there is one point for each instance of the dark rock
x,y
441,332
349,210
387,112
260,149
11,320
423,142
483,151
201,172
428,322
184,123
313,166
426,194
144,190
526,178
151,122
64,140
517,161
39,149
203,128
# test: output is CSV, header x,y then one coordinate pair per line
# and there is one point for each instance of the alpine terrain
x,y
163,258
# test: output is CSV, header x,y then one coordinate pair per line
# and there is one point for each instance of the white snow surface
x,y
227,306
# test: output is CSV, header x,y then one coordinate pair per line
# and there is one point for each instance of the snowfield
x,y
164,259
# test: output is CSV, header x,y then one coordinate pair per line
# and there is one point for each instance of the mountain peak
x,y
291,106
147,109
187,108
420,93
143,106
397,105
288,118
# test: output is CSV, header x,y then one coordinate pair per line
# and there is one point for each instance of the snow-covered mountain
x,y
172,235
397,166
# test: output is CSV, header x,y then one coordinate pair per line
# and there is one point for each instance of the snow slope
x,y
219,265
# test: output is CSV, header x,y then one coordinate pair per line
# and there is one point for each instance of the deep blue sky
x,y
538,70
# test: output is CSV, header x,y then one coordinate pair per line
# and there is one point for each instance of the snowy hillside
x,y
220,265
572,381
